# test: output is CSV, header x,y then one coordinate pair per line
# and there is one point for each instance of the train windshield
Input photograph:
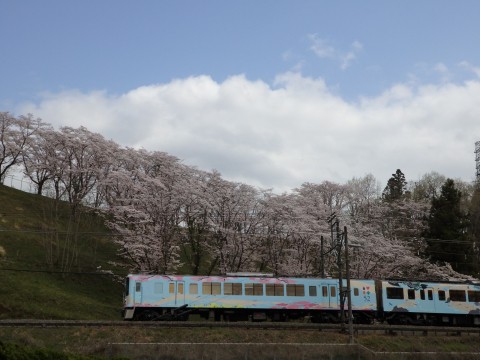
x,y
127,286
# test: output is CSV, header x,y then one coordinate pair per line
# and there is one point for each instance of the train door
x,y
330,293
178,289
334,296
137,296
427,304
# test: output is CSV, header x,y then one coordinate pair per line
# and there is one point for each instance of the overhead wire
x,y
58,272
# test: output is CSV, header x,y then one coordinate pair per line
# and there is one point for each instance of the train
x,y
263,297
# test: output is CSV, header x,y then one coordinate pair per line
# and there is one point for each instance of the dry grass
x,y
95,341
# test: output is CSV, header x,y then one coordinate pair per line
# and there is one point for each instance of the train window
x,y
216,288
270,289
211,288
171,287
394,293
254,289
274,289
138,287
232,289
279,290
290,289
333,291
295,290
324,291
193,288
422,294
158,288
237,289
312,291
473,296
206,288
258,289
430,294
356,292
441,295
457,295
180,288
411,294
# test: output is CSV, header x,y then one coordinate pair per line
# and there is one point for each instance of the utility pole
x,y
349,289
340,276
322,259
337,243
477,160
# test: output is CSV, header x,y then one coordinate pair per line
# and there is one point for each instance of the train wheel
x,y
149,315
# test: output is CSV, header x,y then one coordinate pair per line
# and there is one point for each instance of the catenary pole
x,y
349,289
322,258
340,276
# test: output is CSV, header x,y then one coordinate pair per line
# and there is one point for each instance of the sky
x,y
271,93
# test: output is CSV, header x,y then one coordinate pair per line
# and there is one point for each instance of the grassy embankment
x,y
48,258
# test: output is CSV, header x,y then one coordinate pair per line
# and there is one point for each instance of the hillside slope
x,y
50,261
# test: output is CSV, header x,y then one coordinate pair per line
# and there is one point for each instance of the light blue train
x,y
431,303
258,297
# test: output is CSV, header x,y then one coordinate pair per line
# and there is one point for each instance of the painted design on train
x,y
279,298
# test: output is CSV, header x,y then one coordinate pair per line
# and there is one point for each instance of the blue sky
x,y
120,45
284,81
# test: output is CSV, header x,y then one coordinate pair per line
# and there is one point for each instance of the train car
x,y
251,297
429,303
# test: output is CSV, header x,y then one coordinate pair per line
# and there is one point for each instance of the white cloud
x,y
444,72
469,67
323,50
320,47
441,68
282,135
348,58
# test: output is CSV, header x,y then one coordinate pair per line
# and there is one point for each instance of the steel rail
x,y
358,329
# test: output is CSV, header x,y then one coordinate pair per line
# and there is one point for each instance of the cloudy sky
x,y
272,93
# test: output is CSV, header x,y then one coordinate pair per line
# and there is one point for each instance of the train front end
x,y
128,299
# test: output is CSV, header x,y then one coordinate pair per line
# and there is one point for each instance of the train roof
x,y
247,275
451,281
313,277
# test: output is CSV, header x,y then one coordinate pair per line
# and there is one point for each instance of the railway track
x,y
358,329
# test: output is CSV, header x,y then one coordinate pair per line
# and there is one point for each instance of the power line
x,y
64,232
58,272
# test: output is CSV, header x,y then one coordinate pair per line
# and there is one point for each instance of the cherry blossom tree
x,y
83,155
145,197
195,218
161,210
362,193
16,135
234,218
276,233
428,187
39,158
386,235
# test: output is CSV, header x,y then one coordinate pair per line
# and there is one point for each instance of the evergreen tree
x,y
396,187
446,237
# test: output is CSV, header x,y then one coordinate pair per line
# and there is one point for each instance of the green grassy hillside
x,y
50,261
